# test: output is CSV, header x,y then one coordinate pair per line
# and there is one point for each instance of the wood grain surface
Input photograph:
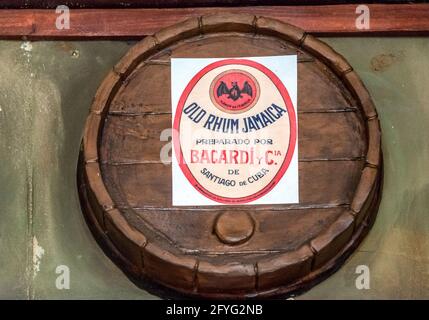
x,y
44,4
397,19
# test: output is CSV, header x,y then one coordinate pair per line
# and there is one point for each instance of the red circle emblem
x,y
234,91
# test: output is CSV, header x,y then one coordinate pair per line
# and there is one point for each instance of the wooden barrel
x,y
231,251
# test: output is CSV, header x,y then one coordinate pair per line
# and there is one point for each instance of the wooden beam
x,y
87,4
390,20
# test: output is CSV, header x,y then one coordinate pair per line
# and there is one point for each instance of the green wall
x,y
46,90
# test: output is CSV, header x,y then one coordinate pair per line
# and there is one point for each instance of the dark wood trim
x,y
388,20
49,4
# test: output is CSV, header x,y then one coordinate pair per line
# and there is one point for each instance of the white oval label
x,y
234,131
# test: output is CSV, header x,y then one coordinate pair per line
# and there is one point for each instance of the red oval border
x,y
292,138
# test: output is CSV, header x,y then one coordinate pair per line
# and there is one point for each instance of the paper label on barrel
x,y
234,131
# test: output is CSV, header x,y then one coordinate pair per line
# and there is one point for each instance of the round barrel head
x,y
230,250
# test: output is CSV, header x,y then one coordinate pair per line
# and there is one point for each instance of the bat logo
x,y
234,92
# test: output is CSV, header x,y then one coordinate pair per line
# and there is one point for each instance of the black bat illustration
x,y
235,92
